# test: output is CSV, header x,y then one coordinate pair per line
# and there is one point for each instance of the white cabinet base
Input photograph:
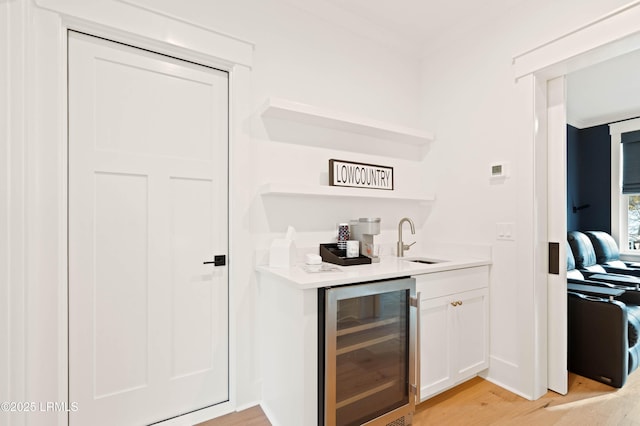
x,y
453,328
288,330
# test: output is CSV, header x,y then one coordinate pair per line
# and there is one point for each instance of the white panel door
x,y
148,321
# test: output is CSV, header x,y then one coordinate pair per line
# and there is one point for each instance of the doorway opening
x,y
547,171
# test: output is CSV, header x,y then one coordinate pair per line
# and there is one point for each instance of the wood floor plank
x,y
253,416
480,402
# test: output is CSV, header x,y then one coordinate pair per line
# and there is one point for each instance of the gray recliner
x,y
603,333
602,339
586,257
608,254
630,284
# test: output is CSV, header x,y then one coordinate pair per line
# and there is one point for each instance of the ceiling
x,y
605,92
423,20
407,25
600,94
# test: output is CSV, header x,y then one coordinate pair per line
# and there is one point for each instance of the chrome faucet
x,y
401,245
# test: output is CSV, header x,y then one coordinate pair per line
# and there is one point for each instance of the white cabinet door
x,y
148,322
469,317
435,346
453,326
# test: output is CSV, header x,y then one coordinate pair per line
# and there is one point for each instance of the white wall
x,y
474,105
306,59
468,97
296,56
12,208
301,57
4,211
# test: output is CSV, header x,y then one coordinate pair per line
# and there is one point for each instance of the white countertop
x,y
388,267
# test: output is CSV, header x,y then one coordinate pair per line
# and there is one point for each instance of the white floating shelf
x,y
336,191
308,114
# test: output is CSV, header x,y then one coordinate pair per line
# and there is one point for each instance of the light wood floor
x,y
479,402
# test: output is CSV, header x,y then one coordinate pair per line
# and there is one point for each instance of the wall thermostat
x,y
500,170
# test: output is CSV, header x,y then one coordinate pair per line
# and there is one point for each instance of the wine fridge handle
x,y
417,350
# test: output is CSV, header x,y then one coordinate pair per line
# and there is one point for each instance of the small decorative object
x,y
353,248
360,175
343,235
332,254
282,253
313,263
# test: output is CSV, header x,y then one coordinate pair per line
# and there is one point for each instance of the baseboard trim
x,y
200,416
504,374
247,405
267,413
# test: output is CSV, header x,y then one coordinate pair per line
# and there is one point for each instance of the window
x,y
625,191
632,203
630,163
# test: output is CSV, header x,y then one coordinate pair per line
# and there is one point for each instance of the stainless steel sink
x,y
424,260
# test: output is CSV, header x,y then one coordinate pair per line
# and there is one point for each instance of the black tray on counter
x,y
332,254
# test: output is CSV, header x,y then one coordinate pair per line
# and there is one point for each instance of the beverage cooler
x,y
367,342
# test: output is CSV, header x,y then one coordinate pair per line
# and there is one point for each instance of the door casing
x,y
39,243
557,374
604,38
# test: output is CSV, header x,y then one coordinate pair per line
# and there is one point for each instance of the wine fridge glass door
x,y
368,352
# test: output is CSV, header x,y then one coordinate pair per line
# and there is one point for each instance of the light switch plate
x,y
506,231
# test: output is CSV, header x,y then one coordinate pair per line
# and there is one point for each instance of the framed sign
x,y
360,175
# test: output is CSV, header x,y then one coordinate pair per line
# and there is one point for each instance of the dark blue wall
x,y
572,177
589,178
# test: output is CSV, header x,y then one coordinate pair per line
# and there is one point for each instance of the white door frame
x,y
612,35
38,318
556,123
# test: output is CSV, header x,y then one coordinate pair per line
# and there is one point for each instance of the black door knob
x,y
218,260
